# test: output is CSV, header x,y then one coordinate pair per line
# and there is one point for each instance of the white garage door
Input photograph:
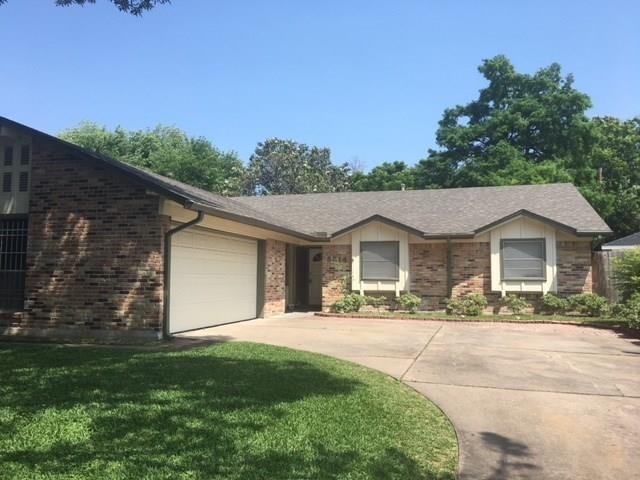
x,y
213,280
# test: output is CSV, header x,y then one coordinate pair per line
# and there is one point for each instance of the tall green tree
x,y
522,129
285,166
612,183
168,151
527,129
387,176
134,7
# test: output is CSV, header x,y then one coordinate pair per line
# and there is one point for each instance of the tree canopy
x,y
134,7
527,129
284,166
387,176
168,151
615,158
522,129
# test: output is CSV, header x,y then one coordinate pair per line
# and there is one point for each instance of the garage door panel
x,y
213,280
204,267
216,317
218,292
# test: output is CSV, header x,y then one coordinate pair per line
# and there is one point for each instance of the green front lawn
x,y
226,411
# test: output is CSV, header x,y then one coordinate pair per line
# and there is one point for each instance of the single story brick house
x,y
91,246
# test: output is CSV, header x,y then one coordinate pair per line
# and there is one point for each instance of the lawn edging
x,y
471,319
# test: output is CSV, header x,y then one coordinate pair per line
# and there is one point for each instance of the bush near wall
x,y
630,311
471,305
553,304
515,303
626,273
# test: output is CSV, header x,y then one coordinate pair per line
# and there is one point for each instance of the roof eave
x,y
376,218
543,219
208,209
593,233
448,236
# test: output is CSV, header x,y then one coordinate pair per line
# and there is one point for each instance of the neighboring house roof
x,y
630,241
460,212
435,213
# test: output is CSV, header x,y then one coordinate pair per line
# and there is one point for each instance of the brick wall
x,y
336,264
471,268
428,273
574,267
470,271
95,250
275,271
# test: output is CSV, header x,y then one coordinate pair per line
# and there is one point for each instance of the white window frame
x,y
543,260
396,277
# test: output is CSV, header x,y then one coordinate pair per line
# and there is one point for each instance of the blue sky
x,y
368,79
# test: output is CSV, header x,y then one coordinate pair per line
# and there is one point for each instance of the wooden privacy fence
x,y
603,284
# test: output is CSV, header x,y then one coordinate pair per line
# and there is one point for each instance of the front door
x,y
315,276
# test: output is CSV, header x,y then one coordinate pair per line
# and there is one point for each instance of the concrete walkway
x,y
527,401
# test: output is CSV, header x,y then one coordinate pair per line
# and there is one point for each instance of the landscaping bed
x,y
230,410
503,318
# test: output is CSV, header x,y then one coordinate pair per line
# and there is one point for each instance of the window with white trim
x,y
379,261
523,259
15,167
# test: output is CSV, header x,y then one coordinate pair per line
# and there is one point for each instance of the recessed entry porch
x,y
303,278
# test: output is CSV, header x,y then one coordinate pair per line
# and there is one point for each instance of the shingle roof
x,y
435,213
429,213
632,240
187,195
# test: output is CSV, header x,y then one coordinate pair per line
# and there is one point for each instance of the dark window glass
x,y
13,263
23,184
25,154
6,182
523,259
8,155
379,260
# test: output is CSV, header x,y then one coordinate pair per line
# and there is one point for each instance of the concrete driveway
x,y
527,401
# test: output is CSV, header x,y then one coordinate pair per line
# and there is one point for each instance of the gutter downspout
x,y
167,271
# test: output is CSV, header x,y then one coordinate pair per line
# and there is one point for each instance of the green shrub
x,y
350,303
554,304
345,284
455,306
626,273
630,311
589,304
515,303
375,302
471,305
409,301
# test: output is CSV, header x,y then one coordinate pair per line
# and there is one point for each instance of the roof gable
x,y
437,213
461,212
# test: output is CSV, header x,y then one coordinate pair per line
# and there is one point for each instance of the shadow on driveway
x,y
512,462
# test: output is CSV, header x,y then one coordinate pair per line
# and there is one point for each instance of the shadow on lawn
x,y
165,415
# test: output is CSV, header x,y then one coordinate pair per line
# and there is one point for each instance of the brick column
x,y
471,268
428,273
573,261
336,265
274,282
